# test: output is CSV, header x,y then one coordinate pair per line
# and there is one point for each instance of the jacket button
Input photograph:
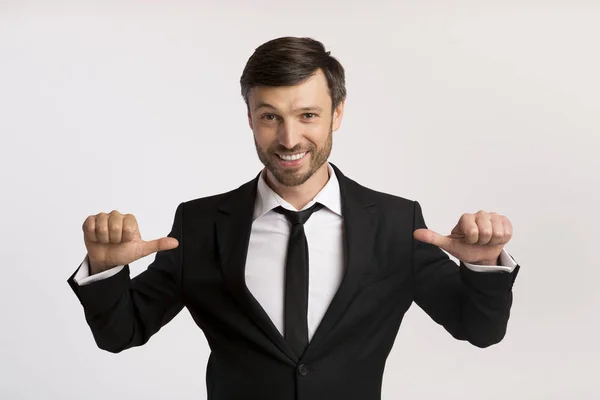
x,y
302,370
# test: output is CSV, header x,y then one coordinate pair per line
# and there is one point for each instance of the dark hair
x,y
288,61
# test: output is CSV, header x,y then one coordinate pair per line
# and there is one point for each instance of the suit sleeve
x,y
471,305
123,312
82,275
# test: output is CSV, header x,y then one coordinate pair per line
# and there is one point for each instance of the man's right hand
x,y
114,239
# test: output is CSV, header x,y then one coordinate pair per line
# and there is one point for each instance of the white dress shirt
x,y
265,263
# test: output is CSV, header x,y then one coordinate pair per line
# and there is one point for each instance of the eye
x,y
309,115
269,117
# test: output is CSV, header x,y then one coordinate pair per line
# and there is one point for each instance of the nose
x,y
289,134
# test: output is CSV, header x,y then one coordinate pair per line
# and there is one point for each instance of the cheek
x,y
264,136
317,133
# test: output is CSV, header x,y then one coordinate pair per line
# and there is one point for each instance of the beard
x,y
287,177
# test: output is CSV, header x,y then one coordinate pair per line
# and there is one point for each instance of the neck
x,y
299,196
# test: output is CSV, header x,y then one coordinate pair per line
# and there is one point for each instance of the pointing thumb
x,y
431,237
165,243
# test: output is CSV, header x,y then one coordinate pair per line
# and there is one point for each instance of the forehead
x,y
311,92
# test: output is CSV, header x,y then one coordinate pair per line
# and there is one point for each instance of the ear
x,y
338,113
250,119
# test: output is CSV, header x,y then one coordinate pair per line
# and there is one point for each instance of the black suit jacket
x,y
386,270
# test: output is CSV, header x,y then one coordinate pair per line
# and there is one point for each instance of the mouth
x,y
292,157
291,160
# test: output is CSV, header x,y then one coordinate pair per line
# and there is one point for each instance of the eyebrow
x,y
308,108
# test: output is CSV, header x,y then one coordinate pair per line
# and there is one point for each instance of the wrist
x,y
486,262
96,268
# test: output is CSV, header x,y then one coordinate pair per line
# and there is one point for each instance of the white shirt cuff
x,y
82,276
507,264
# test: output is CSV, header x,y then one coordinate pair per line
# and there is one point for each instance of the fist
x,y
114,239
477,238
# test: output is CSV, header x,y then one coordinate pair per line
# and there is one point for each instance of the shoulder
x,y
370,196
395,214
207,203
226,201
383,201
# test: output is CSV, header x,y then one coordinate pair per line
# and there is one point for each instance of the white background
x,y
461,105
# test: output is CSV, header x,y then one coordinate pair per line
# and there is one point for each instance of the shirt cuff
x,y
82,276
507,264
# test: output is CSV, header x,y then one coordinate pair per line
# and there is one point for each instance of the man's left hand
x,y
476,239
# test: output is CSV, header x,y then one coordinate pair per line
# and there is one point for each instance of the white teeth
x,y
293,157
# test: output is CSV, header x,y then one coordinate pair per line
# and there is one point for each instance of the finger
x,y
102,228
130,227
497,230
166,243
508,229
469,229
89,228
431,237
115,226
484,225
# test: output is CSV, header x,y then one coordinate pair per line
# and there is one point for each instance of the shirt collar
x,y
267,199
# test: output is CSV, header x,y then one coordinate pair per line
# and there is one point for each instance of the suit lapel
x,y
360,224
233,236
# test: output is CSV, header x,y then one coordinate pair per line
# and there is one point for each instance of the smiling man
x,y
293,132
299,278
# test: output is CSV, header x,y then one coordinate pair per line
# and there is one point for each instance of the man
x,y
296,305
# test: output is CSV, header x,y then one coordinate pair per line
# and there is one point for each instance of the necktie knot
x,y
298,217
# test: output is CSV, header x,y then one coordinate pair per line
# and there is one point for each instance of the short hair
x,y
287,61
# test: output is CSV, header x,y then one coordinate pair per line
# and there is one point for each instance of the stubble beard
x,y
318,157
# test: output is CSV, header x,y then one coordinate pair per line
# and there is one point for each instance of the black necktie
x,y
296,280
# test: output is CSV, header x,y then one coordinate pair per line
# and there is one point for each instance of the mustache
x,y
283,150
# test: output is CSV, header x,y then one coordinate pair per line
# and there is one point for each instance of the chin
x,y
291,178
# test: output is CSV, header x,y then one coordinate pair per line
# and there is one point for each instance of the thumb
x,y
166,243
431,237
